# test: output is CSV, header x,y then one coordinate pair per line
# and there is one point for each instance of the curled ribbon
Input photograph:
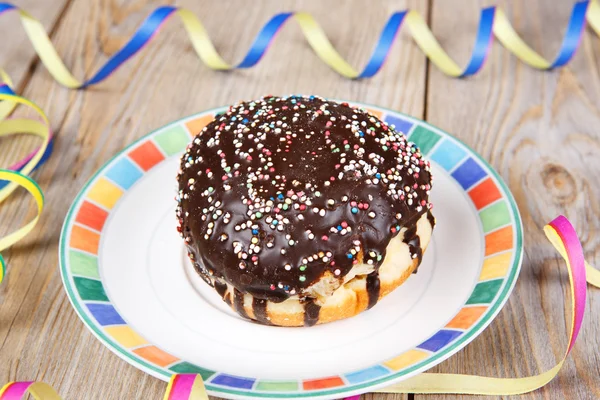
x,y
18,391
493,22
561,235
37,157
184,387
16,175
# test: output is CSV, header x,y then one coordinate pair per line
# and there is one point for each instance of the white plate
x,y
127,274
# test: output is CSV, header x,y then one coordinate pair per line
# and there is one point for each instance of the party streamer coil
x,y
17,175
493,22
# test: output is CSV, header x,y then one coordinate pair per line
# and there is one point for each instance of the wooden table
x,y
540,130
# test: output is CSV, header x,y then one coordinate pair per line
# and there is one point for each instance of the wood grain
x,y
41,338
539,130
16,54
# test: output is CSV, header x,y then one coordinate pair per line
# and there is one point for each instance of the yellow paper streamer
x,y
429,383
39,391
11,127
20,179
317,39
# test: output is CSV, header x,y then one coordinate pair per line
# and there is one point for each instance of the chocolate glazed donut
x,y
278,194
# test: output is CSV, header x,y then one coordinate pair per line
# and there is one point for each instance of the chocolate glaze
x,y
373,287
259,306
311,312
414,243
430,218
238,302
221,288
275,192
227,299
410,242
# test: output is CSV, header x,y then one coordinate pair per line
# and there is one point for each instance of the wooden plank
x,y
18,59
539,129
41,338
16,53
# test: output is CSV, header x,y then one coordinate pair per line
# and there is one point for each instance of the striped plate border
x,y
80,238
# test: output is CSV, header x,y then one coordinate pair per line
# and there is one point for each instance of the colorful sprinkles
x,y
85,222
301,207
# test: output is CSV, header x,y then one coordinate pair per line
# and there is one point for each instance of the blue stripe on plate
x,y
124,173
448,154
468,173
233,381
367,374
440,340
401,125
105,314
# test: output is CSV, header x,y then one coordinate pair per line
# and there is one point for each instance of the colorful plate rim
x,y
498,275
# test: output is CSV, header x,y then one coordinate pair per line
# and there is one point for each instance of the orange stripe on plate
x,y
196,125
485,193
147,155
495,266
498,241
91,215
334,381
376,113
84,239
156,355
466,317
405,359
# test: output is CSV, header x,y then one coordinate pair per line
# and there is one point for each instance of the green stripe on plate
x,y
173,140
485,292
90,289
424,138
187,368
274,386
495,216
83,264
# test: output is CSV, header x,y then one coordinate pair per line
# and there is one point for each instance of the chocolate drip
x,y
430,218
259,306
199,268
311,312
238,300
414,244
221,288
373,288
